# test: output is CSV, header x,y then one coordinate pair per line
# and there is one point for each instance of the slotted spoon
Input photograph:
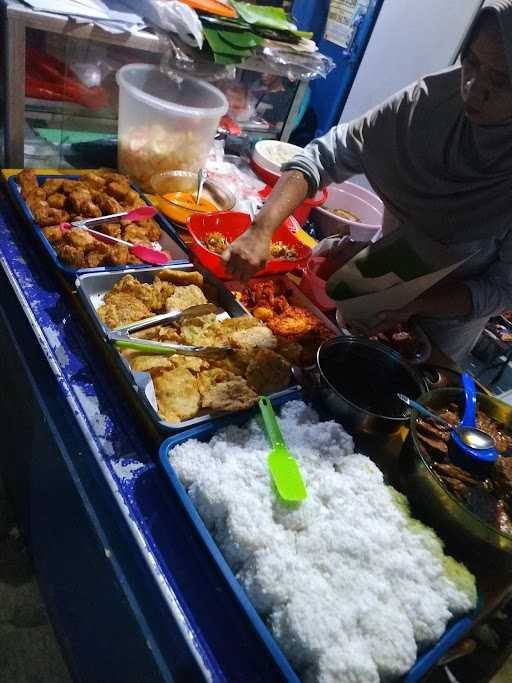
x,y
283,467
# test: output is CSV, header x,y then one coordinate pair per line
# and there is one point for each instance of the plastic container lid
x,y
189,97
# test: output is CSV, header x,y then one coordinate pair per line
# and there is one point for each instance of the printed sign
x,y
339,27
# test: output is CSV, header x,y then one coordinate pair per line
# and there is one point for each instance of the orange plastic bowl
x,y
232,224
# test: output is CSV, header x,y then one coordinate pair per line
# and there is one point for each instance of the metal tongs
x,y
121,338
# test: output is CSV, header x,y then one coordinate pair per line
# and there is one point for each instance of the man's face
x,y
486,88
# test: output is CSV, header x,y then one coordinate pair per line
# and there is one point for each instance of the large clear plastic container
x,y
164,125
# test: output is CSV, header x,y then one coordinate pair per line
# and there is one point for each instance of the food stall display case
x,y
38,132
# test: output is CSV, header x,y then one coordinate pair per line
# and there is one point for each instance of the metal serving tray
x,y
169,239
92,286
424,663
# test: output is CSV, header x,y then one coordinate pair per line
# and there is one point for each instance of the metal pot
x,y
359,381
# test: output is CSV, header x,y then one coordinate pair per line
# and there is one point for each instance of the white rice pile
x,y
348,582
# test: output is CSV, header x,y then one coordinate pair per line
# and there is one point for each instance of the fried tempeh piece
x,y
268,372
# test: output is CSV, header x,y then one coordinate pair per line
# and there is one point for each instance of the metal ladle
x,y
202,176
472,437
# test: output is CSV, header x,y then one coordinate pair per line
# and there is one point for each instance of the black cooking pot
x,y
359,382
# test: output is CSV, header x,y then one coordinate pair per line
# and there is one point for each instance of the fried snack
x,y
182,277
46,216
122,309
112,229
268,372
77,199
132,200
118,189
80,238
177,394
208,378
27,180
71,256
168,334
184,297
95,259
290,350
53,233
35,201
135,234
226,392
192,363
90,210
161,292
107,204
117,255
294,321
202,331
151,229
144,363
69,186
253,337
57,200
237,362
94,181
130,285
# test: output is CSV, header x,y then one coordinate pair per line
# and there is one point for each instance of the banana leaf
x,y
220,46
245,40
265,16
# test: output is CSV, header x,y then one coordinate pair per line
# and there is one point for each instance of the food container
x,y
313,283
269,155
232,225
231,588
91,289
359,382
169,241
302,212
358,201
164,124
441,508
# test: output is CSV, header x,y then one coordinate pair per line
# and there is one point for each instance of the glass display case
x,y
49,126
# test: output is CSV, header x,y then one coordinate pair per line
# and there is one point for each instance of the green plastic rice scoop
x,y
282,465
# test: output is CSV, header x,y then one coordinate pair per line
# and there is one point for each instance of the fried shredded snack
x,y
185,297
268,372
122,309
221,391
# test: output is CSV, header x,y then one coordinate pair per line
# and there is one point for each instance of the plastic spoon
x,y
470,444
142,252
283,467
465,436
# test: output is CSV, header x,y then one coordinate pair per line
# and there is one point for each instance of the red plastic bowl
x,y
232,224
303,211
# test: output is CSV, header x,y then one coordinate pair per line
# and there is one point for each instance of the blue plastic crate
x,y
425,662
69,272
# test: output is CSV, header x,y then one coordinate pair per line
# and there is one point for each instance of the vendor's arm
x,y
334,157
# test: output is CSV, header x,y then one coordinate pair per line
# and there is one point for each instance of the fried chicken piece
x,y
135,234
177,394
268,372
27,180
144,363
77,199
132,259
151,229
35,201
253,337
91,210
117,255
71,256
53,233
94,181
53,186
80,238
47,216
95,259
221,391
69,186
184,297
57,200
121,309
132,199
107,204
118,189
112,229
182,277
111,176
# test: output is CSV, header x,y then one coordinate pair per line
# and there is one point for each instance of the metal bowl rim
x,y
372,345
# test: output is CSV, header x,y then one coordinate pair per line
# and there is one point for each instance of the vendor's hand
x,y
248,254
386,320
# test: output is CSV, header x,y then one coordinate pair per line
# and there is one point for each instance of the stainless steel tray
x,y
92,287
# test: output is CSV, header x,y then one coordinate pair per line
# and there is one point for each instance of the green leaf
x,y
264,15
245,40
226,59
218,45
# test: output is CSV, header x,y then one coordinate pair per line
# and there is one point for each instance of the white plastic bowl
x,y
267,154
359,201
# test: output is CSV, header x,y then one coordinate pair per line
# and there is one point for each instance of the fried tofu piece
x,y
46,216
253,337
27,180
53,186
184,297
122,309
202,331
57,200
53,233
177,394
144,363
268,372
71,256
221,391
182,277
80,238
94,181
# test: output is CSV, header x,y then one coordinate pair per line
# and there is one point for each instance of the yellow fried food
x,y
77,199
144,363
236,362
135,234
182,277
57,200
53,233
121,309
118,190
268,372
192,363
130,285
94,181
95,259
184,297
253,337
208,378
230,394
52,186
71,256
27,180
169,334
45,216
177,394
293,321
202,331
161,292
80,238
117,254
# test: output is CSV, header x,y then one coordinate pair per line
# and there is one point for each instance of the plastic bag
x,y
304,66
